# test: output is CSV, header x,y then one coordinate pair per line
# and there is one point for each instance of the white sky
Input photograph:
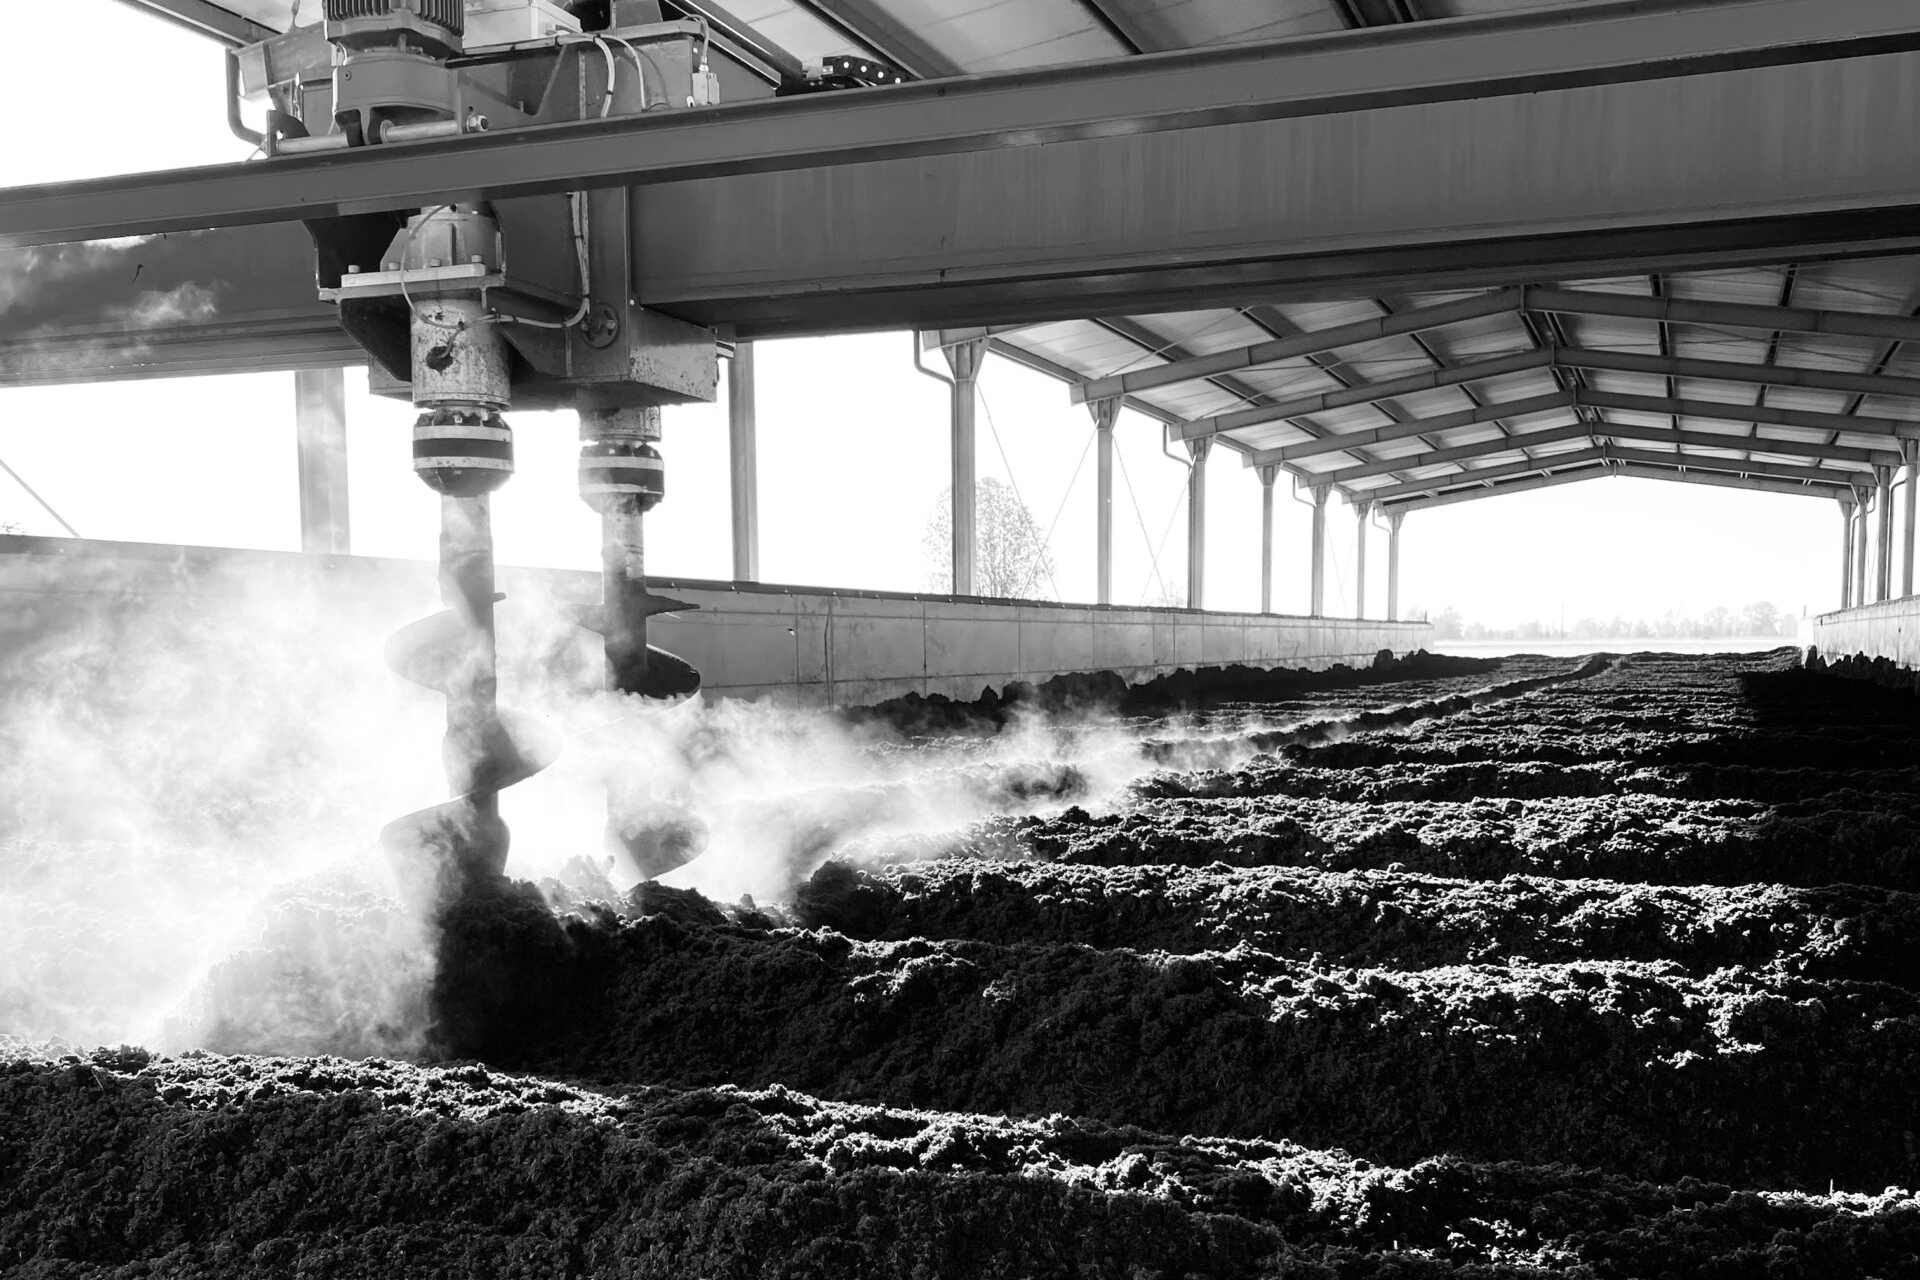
x,y
853,445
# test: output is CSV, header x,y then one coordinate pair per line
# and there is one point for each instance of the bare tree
x,y
1010,557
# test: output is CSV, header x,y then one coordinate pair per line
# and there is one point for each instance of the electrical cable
x,y
613,78
613,72
661,74
577,205
640,69
35,495
406,249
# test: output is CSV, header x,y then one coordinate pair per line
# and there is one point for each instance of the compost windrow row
x,y
1540,967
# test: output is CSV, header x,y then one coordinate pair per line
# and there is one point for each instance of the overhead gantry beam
x,y
1626,141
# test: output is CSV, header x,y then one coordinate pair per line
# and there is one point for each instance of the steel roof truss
x,y
1462,453
1370,393
1488,475
1311,342
1632,471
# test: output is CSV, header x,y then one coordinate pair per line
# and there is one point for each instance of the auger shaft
x,y
463,451
467,587
624,595
622,477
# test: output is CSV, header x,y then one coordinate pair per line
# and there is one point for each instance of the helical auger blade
x,y
656,837
446,848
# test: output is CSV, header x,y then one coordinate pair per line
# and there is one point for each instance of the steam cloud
x,y
194,773
197,762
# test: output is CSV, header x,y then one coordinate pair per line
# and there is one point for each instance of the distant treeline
x,y
1760,618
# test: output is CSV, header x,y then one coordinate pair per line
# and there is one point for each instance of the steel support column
x,y
1863,503
1846,553
1105,412
1197,523
320,419
1393,564
1362,508
1317,601
1883,541
1267,475
964,359
1910,448
743,464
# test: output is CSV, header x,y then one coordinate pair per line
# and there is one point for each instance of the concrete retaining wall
x,y
1889,630
820,647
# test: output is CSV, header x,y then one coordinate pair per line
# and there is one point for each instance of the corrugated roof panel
x,y
1203,332
1756,286
1702,342
1904,364
1185,24
1471,8
1743,395
1273,435
1479,339
1800,398
1709,427
1191,400
1000,35
1633,286
1636,418
1327,315
1898,407
1384,360
1863,440
793,29
1078,344
1612,333
1879,285
1549,450
1627,384
1293,378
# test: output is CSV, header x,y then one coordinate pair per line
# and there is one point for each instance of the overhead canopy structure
x,y
1803,375
1430,249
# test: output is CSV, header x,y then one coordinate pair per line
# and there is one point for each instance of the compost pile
x,y
1602,969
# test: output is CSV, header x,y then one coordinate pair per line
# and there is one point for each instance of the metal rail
x,y
1505,55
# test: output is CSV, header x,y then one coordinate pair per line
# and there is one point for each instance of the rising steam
x,y
198,759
